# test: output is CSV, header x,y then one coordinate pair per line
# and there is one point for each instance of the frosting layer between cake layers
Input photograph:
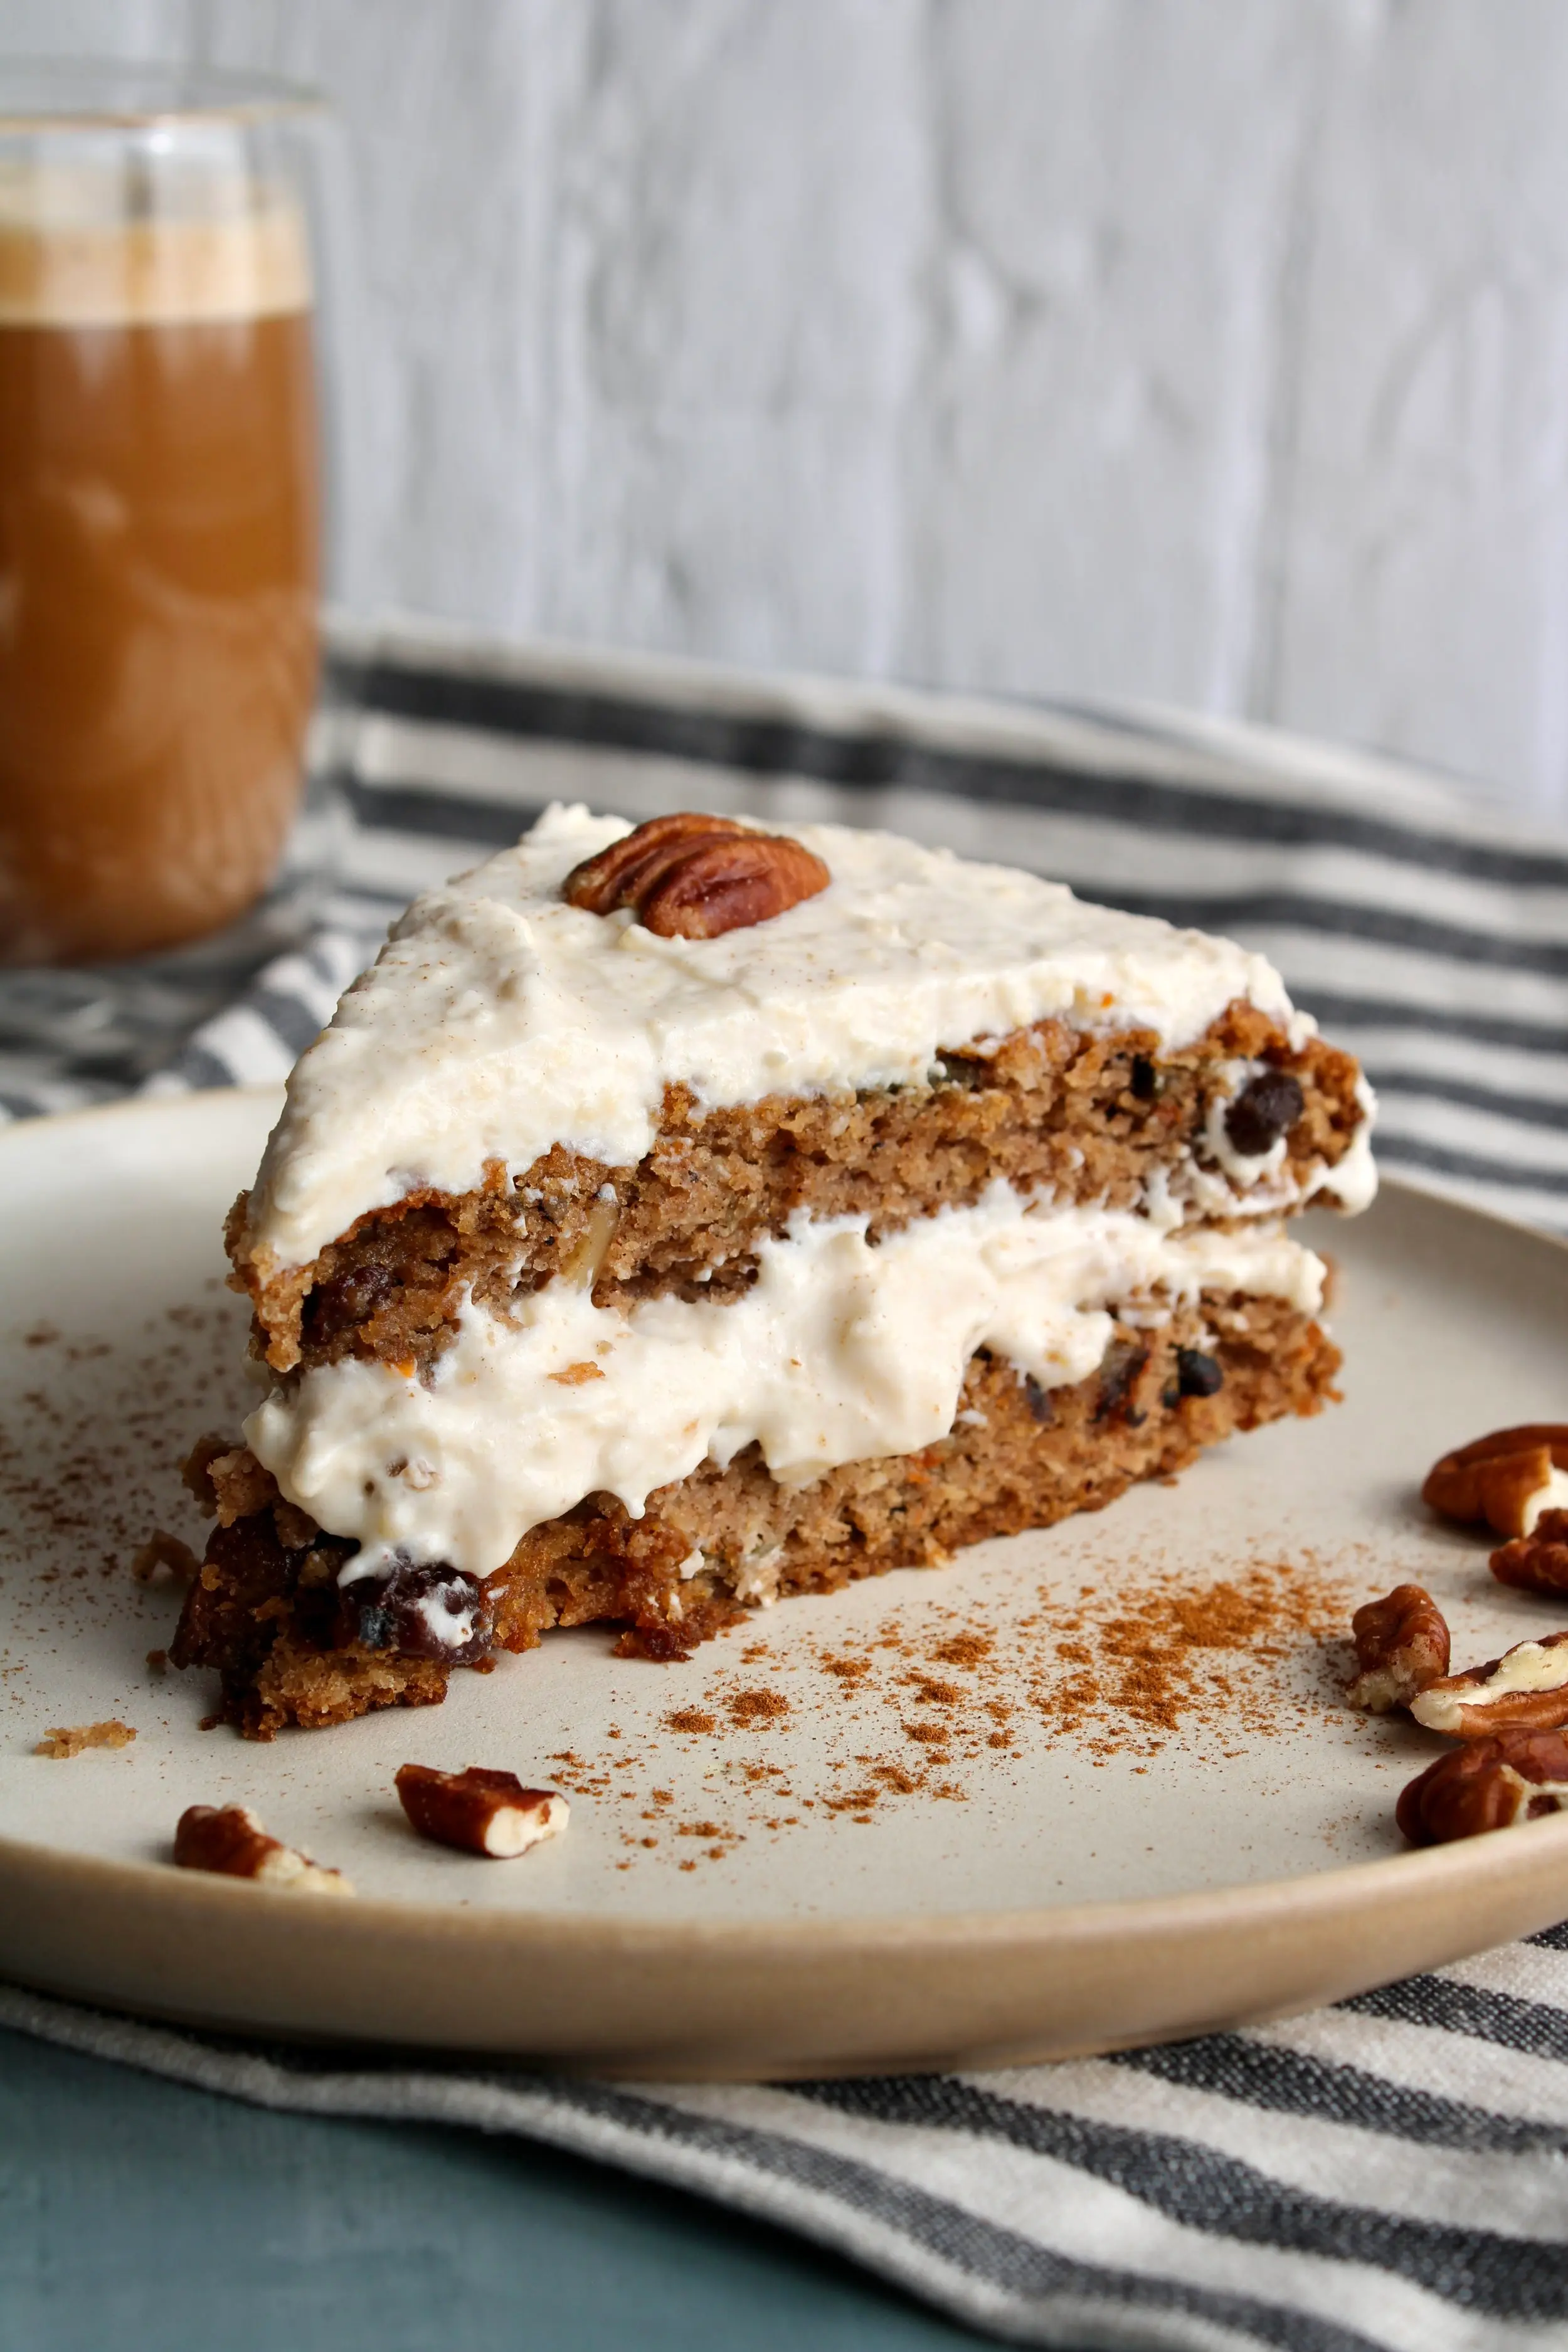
x,y
499,1021
840,1352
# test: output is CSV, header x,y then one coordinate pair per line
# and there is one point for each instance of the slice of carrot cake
x,y
678,1217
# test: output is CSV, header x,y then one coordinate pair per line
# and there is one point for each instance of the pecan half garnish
x,y
1505,1478
1493,1784
1537,1562
1401,1647
479,1811
1524,1690
692,877
230,1840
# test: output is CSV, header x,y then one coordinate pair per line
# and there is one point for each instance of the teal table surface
x,y
140,2216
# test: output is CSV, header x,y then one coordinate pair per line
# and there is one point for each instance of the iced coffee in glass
x,y
159,506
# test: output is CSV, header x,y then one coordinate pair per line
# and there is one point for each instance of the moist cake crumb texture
x,y
74,1739
604,1275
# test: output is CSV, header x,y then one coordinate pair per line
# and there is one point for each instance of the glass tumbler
x,y
159,512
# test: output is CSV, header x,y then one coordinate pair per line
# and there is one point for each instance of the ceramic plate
x,y
950,1817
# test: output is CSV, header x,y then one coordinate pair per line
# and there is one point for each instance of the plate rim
x,y
1419,1871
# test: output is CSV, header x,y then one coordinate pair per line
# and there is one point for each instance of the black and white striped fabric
x,y
1390,2173
1425,933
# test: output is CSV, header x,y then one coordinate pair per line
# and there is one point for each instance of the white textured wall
x,y
1209,351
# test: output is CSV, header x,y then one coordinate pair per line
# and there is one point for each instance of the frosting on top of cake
x,y
497,1020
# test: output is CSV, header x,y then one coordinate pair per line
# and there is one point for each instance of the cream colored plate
x,y
907,1866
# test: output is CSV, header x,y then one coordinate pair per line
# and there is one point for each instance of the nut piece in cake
x,y
1492,1784
694,878
1506,1479
479,1811
1400,1646
1537,1562
1524,1690
230,1840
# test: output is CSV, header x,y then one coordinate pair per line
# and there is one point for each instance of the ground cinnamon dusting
x,y
927,1701
690,1718
749,1707
1152,1657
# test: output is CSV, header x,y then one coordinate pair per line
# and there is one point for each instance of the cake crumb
x,y
72,1739
164,1550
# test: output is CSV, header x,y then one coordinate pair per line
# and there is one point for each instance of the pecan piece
x,y
1537,1562
581,1266
637,863
1492,1784
1524,1690
230,1840
1401,1647
1506,1478
693,877
479,1811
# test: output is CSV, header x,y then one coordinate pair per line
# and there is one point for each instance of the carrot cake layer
x,y
298,1637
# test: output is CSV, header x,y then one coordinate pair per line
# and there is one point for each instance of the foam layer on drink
x,y
59,267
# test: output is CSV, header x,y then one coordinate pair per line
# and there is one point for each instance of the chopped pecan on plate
x,y
1492,1784
479,1811
230,1840
1524,1690
1537,1562
1506,1479
1400,1646
693,877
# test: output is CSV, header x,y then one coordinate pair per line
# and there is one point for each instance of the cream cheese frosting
x,y
839,1351
497,1020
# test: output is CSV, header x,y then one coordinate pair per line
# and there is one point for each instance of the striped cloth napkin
x,y
1387,2173
1392,2172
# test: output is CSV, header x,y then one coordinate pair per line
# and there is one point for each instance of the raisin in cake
x,y
675,1219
